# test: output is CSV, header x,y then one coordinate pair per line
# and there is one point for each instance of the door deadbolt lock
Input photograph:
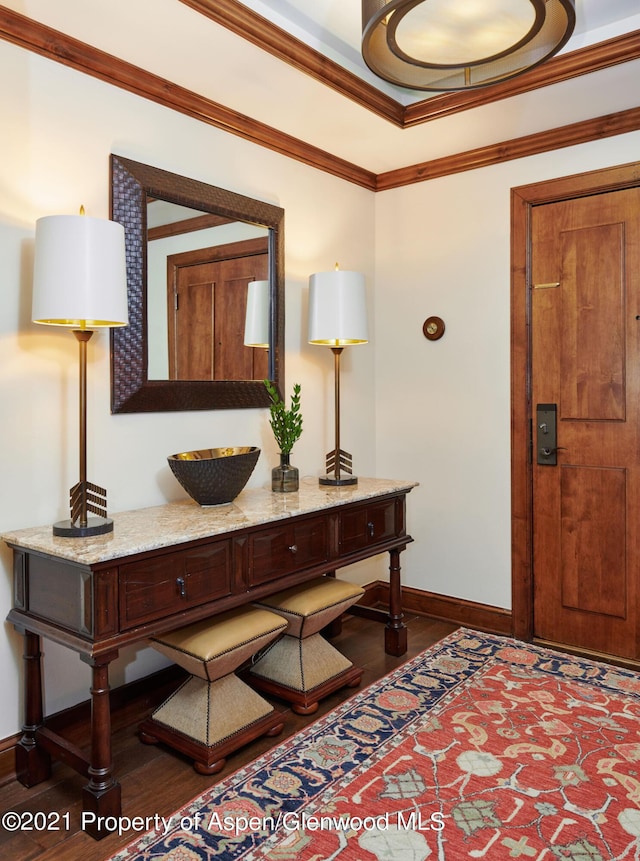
x,y
546,434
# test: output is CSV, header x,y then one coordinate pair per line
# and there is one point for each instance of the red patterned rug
x,y
482,747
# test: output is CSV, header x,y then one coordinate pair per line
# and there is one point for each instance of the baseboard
x,y
458,611
8,758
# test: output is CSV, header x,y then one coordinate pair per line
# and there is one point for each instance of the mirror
x,y
171,223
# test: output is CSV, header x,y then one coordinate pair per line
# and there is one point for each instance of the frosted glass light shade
x,y
256,324
448,45
80,273
337,309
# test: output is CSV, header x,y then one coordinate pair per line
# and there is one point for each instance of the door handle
x,y
550,451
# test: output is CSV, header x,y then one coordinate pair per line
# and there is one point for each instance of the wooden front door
x,y
207,300
585,363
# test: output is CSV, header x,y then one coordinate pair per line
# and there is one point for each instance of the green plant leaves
x,y
286,424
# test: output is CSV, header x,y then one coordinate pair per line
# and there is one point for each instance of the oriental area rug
x,y
481,747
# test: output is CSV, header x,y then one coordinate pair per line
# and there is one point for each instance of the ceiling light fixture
x,y
445,45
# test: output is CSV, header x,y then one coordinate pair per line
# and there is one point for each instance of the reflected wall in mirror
x,y
192,249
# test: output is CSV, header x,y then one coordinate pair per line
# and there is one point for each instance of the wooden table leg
x,y
33,764
395,634
334,628
101,797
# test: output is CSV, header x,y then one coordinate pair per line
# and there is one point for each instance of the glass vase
x,y
284,478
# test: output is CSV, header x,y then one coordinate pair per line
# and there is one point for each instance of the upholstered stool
x,y
214,712
302,667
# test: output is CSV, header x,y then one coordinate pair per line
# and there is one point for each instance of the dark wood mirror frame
x,y
132,183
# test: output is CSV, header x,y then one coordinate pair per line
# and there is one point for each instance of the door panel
x,y
206,305
194,323
233,360
592,324
593,530
585,308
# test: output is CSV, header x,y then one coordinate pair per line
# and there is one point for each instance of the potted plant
x,y
286,425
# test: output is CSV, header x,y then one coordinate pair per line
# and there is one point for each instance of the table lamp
x,y
337,319
80,282
256,328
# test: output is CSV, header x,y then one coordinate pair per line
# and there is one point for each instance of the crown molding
x,y
260,31
534,144
564,67
244,22
57,46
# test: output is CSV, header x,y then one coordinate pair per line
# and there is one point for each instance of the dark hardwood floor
x,y
158,781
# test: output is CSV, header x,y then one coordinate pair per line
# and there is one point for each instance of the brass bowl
x,y
214,476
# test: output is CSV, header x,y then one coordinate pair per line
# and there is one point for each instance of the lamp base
x,y
340,481
95,526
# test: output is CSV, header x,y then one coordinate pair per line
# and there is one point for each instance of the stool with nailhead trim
x,y
214,712
302,667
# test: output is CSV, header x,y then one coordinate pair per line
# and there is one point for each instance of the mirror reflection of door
x,y
206,308
174,230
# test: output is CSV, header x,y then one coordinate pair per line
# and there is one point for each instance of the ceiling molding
x,y
594,58
57,46
258,30
534,144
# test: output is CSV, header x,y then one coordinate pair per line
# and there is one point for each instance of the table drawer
x,y
277,551
364,527
163,585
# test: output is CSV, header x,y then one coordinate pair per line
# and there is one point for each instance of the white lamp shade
x,y
80,273
337,308
256,324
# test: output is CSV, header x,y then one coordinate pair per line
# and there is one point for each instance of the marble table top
x,y
146,529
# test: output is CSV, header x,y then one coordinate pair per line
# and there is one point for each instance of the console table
x,y
168,566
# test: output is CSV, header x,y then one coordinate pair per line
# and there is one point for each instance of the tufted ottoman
x,y
214,712
302,667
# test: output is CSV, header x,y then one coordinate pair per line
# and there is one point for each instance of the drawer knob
x,y
182,590
371,529
293,548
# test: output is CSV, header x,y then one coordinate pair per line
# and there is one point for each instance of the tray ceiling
x,y
383,129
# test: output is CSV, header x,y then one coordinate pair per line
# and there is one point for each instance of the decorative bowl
x,y
213,476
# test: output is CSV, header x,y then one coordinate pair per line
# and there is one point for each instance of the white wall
x,y
58,130
443,407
